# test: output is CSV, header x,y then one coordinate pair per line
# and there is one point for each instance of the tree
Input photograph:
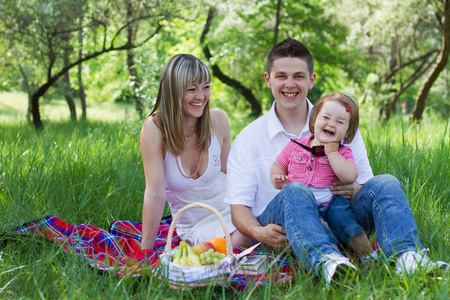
x,y
246,92
81,92
132,29
397,39
242,39
42,25
444,18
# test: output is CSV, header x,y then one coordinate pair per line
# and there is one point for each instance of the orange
x,y
220,244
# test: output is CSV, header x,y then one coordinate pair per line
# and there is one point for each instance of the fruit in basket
x,y
202,247
177,256
220,244
211,257
193,258
186,256
183,259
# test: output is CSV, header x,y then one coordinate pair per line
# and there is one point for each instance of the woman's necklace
x,y
199,161
192,133
196,170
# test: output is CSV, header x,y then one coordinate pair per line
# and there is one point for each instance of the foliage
x,y
352,43
391,37
47,29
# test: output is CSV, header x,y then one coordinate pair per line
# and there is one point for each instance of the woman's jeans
x,y
380,206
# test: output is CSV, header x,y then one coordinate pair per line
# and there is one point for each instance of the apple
x,y
203,247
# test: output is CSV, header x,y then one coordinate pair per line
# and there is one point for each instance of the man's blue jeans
x,y
380,206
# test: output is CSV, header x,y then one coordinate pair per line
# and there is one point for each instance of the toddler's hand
x,y
331,147
280,181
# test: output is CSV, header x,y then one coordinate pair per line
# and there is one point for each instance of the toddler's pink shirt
x,y
306,168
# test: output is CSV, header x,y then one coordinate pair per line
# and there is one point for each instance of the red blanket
x,y
118,250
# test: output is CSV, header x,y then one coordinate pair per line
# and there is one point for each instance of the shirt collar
x,y
275,126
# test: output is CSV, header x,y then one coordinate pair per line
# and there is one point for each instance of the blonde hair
x,y
180,72
348,102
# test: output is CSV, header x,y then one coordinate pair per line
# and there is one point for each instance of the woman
x,y
184,145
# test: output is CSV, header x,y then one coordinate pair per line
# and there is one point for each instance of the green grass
x,y
91,172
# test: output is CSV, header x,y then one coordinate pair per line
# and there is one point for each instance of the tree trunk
x,y
68,90
132,68
37,94
441,62
81,92
390,105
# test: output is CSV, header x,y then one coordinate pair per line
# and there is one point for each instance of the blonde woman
x,y
184,148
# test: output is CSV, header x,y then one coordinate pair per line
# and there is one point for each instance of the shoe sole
x,y
343,273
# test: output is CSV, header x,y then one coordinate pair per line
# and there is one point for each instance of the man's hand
x,y
347,191
273,235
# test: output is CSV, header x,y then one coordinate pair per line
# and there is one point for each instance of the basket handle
x,y
199,205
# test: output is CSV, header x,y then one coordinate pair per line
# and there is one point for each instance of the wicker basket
x,y
190,277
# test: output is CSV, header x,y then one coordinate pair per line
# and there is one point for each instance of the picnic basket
x,y
180,276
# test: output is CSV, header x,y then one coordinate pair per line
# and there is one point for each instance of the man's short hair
x,y
290,48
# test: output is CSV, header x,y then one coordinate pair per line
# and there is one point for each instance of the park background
x,y
77,78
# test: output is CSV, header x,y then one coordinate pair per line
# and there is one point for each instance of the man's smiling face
x,y
290,81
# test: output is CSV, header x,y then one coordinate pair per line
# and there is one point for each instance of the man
x,y
264,214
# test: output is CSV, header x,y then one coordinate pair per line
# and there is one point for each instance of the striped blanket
x,y
118,250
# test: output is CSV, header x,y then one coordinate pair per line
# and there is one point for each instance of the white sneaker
x,y
409,261
336,267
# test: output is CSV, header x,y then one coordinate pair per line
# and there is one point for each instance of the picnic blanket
x,y
118,250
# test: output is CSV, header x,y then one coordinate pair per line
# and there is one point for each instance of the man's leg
x,y
381,205
295,209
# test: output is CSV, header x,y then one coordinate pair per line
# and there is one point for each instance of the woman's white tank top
x,y
198,224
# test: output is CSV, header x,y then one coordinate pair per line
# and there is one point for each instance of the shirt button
x,y
326,159
312,158
299,159
309,168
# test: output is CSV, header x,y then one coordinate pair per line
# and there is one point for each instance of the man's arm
x,y
271,235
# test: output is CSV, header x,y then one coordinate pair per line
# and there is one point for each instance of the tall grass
x,y
91,172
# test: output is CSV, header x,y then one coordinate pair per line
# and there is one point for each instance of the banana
x,y
193,258
184,256
176,257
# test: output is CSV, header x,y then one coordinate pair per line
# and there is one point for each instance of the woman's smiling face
x,y
195,99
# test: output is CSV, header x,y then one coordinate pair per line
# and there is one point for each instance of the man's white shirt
x,y
254,151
